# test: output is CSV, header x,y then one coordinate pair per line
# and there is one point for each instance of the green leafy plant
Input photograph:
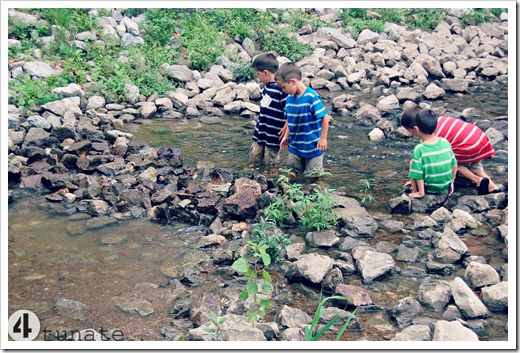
x,y
367,191
259,280
312,333
29,93
314,208
217,323
266,233
242,72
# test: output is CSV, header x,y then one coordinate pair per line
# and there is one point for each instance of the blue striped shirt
x,y
271,118
304,115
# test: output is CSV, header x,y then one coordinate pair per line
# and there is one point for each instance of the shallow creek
x,y
97,266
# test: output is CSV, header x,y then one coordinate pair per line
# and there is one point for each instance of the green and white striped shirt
x,y
433,163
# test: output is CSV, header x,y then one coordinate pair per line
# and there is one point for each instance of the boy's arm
x,y
322,143
454,175
284,136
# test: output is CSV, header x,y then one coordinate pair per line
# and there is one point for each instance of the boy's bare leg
x,y
477,177
414,186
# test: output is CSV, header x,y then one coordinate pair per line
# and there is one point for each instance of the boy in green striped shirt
x,y
433,166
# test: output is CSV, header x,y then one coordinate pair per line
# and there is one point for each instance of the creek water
x,y
52,255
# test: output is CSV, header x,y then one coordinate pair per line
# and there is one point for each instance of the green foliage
x,y
367,191
313,334
423,18
314,208
498,11
29,92
281,40
299,18
474,17
217,323
242,72
259,280
266,234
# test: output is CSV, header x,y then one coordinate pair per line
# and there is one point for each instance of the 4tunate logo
x,y
24,325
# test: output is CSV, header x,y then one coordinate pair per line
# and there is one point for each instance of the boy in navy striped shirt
x,y
266,141
307,126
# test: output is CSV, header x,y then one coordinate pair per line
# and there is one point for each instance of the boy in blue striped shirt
x,y
266,143
307,126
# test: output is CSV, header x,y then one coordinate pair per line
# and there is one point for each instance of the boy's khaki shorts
x,y
300,164
474,167
259,154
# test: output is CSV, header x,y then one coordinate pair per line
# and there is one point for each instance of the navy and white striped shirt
x,y
271,118
304,115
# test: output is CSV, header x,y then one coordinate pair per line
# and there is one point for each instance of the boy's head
x,y
287,76
426,121
265,66
417,120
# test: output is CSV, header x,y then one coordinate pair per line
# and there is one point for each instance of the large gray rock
x,y
404,311
310,267
291,317
414,333
480,275
452,331
356,222
434,294
468,303
496,296
372,264
323,239
38,68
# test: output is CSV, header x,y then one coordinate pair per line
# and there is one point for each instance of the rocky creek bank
x,y
77,153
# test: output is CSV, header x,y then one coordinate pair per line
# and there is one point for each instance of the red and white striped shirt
x,y
469,143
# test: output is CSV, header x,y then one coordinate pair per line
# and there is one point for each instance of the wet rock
x,y
468,303
496,296
356,296
70,308
372,264
201,305
241,205
100,222
407,254
141,307
452,331
310,267
55,182
404,311
449,247
444,269
434,294
291,317
113,239
480,275
322,239
386,247
93,207
401,204
331,280
452,313
414,333
356,222
424,222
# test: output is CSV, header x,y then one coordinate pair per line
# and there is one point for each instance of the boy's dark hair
x,y
409,117
288,71
426,121
266,61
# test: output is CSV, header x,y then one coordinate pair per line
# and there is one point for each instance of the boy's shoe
x,y
483,188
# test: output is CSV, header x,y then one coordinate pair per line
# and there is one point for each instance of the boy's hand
x,y
284,144
283,131
322,144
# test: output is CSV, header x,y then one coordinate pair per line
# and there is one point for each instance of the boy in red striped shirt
x,y
469,143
